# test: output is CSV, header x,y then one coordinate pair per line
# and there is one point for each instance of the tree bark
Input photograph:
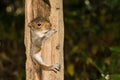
x,y
53,48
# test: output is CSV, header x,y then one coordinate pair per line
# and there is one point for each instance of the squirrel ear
x,y
29,24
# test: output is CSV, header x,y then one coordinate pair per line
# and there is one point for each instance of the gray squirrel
x,y
41,30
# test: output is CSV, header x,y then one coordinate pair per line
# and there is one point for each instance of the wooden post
x,y
53,48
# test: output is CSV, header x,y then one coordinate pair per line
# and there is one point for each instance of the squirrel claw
x,y
56,68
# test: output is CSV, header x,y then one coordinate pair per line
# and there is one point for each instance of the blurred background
x,y
91,46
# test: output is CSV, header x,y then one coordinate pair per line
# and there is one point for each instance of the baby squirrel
x,y
41,30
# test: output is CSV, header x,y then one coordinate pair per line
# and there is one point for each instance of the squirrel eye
x,y
39,24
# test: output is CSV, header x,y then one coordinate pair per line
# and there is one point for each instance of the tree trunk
x,y
53,48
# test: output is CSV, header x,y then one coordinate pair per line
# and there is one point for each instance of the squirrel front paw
x,y
55,68
50,32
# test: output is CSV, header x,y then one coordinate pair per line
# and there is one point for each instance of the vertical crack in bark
x,y
40,8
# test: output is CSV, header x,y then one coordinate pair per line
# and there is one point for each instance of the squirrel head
x,y
41,27
40,24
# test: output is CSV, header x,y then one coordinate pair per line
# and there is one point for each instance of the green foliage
x,y
92,43
115,77
12,52
116,49
112,3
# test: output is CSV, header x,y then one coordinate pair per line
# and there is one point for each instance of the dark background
x,y
91,44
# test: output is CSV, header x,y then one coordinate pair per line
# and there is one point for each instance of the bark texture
x,y
53,49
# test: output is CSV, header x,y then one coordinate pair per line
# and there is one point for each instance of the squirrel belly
x,y
37,58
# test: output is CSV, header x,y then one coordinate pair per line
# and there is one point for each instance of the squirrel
x,y
41,30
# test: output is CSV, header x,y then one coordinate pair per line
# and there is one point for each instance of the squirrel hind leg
x,y
38,59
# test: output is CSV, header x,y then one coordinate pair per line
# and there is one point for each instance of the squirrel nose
x,y
49,28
